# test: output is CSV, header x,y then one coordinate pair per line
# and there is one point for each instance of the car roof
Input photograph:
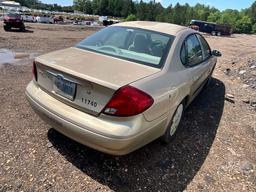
x,y
167,28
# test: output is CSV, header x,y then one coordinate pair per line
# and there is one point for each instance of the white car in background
x,y
28,18
44,19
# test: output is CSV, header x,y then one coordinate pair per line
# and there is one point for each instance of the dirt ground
x,y
215,150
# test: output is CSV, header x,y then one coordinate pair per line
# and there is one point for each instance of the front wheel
x,y
23,28
174,124
213,33
7,28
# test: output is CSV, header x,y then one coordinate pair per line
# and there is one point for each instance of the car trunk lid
x,y
84,79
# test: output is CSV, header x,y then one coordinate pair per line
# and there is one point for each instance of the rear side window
x,y
191,52
205,47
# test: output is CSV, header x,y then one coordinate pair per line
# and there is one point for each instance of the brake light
x,y
34,70
128,101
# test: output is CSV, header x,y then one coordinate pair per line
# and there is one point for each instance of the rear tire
x,y
219,34
213,33
173,124
22,28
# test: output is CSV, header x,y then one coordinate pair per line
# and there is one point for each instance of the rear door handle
x,y
195,78
172,92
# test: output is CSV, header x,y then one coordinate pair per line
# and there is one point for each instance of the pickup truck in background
x,y
13,20
211,28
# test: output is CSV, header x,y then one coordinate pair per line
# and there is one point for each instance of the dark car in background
x,y
58,19
211,28
13,20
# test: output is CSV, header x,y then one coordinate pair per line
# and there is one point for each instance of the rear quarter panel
x,y
170,86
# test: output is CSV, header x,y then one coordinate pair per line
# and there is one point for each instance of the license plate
x,y
64,87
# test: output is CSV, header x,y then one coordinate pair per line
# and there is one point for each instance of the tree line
x,y
243,21
35,4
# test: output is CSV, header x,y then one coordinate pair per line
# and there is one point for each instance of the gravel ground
x,y
213,151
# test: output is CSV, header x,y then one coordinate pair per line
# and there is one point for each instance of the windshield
x,y
13,15
138,45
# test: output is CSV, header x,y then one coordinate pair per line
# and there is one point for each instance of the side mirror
x,y
216,53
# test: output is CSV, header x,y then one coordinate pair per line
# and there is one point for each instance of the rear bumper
x,y
14,24
117,136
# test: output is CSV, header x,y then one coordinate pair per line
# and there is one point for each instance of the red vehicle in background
x,y
13,20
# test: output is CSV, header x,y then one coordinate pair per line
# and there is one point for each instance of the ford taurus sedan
x,y
124,86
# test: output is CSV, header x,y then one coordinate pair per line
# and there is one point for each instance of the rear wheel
x,y
213,33
174,124
219,34
22,28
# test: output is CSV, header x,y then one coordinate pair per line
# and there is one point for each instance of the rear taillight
x,y
128,101
34,70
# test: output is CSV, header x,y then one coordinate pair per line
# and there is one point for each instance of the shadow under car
x,y
156,166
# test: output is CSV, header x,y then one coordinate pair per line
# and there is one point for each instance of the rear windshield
x,y
138,45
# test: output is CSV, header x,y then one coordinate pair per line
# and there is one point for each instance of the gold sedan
x,y
123,86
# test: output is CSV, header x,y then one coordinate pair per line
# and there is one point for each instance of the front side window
x,y
191,52
138,45
205,47
183,54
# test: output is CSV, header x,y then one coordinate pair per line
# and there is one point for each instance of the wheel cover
x,y
176,119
